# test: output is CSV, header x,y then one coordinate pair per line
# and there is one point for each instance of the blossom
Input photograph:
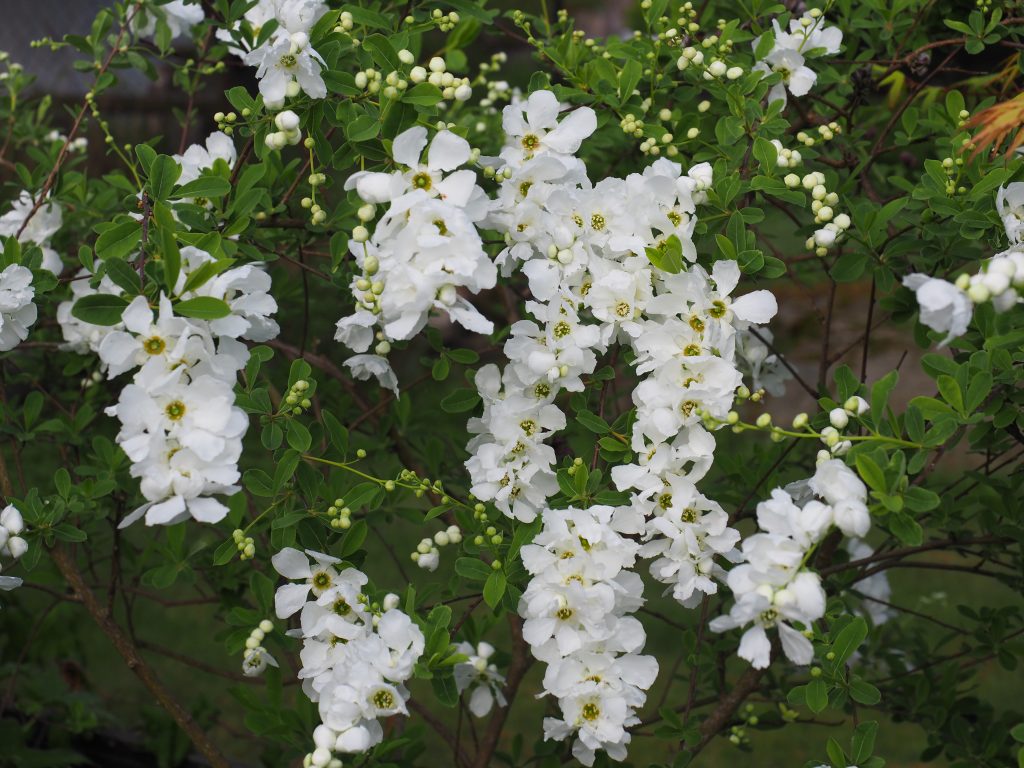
x,y
355,658
319,576
481,677
286,59
1010,204
199,157
797,78
533,128
40,228
178,15
256,660
17,310
943,306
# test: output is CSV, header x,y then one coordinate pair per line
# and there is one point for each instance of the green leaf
x,y
817,695
123,276
871,473
163,175
203,308
423,94
354,538
593,422
100,309
950,391
864,692
382,51
118,241
767,155
298,436
847,641
460,400
862,743
630,76
170,256
205,186
906,529
836,756
494,588
473,569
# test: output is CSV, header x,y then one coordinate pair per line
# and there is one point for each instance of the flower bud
x,y
838,418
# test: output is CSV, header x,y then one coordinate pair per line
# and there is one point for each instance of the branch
x,y
65,563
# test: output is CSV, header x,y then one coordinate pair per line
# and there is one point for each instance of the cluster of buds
x,y
345,23
823,205
288,132
12,524
490,535
825,133
786,158
1000,281
445,21
256,657
226,122
340,515
246,544
317,215
296,401
839,420
952,170
436,73
427,555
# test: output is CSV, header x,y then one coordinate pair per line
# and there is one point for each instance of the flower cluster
x,y
773,586
17,310
576,610
286,64
427,555
37,228
179,425
480,676
423,250
355,655
12,545
807,36
948,307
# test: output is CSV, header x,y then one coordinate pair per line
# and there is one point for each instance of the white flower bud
x,y
267,626
437,64
839,418
842,221
824,238
405,56
17,546
360,234
321,757
418,74
292,90
286,121
391,601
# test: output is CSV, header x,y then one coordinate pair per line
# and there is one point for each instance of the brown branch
x,y
124,646
745,685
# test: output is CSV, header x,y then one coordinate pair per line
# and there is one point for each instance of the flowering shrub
x,y
541,338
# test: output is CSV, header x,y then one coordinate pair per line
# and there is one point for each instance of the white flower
x,y
1010,204
256,660
318,577
179,16
280,61
41,227
943,307
17,311
478,675
533,128
796,78
198,158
